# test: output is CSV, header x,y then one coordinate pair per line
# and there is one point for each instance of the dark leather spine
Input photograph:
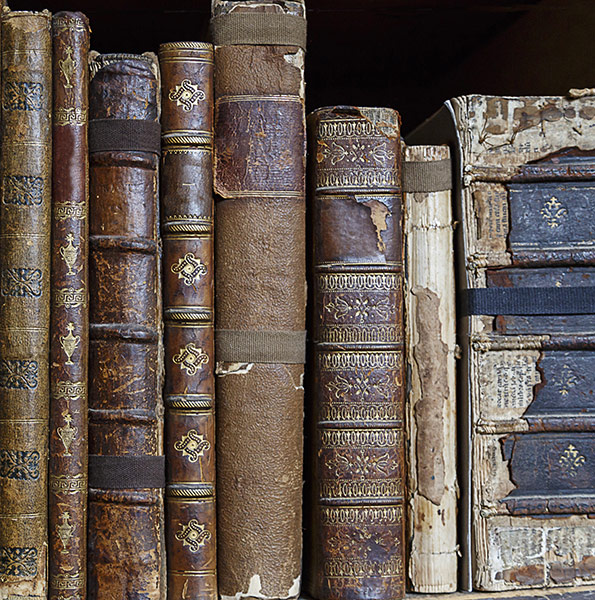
x,y
356,536
69,332
260,295
25,168
187,231
126,544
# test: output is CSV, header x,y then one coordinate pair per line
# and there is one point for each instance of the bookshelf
x,y
407,54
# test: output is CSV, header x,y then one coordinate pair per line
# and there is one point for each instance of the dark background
x,y
408,54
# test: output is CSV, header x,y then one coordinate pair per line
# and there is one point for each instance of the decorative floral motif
x,y
18,374
189,268
564,379
22,190
361,386
361,465
359,308
193,445
22,465
17,562
21,282
190,358
571,461
553,212
187,95
67,67
22,95
194,535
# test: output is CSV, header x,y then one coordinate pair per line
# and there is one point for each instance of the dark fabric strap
x,y
259,29
427,176
527,301
275,347
126,472
124,135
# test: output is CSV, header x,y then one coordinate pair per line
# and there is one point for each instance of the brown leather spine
x,y
356,537
69,333
260,287
25,166
187,230
126,544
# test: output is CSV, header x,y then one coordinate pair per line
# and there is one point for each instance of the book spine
x,y
260,295
126,464
69,332
25,168
187,231
357,538
431,406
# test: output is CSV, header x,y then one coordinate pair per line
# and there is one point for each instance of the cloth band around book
x,y
126,472
259,29
427,176
274,347
527,301
124,135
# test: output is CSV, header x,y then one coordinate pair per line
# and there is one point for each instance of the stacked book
x,y
158,338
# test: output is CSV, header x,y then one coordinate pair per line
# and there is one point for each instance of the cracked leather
x,y
260,285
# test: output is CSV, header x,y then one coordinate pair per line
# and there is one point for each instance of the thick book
x,y
355,546
69,331
25,212
431,397
126,556
188,275
260,285
526,204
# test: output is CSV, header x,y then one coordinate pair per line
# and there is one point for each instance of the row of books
x,y
113,343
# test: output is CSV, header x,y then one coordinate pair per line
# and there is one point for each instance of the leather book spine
x,y
126,467
259,181
69,331
356,538
430,342
187,232
25,212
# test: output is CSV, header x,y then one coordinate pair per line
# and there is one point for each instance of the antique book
x,y
526,204
260,283
69,330
430,343
25,213
126,462
356,527
187,230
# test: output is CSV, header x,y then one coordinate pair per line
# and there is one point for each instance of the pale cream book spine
x,y
431,414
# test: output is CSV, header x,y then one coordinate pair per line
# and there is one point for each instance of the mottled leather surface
x,y
126,538
260,285
25,210
355,537
188,274
69,341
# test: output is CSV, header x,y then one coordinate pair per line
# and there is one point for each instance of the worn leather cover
x,y
188,274
526,203
69,334
260,286
25,168
356,536
126,540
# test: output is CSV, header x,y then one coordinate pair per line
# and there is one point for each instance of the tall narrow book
x,y
187,229
126,462
260,285
526,203
431,397
356,538
69,335
26,178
